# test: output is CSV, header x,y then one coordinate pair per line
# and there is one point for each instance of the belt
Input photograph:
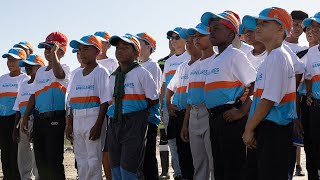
x,y
315,103
220,109
52,114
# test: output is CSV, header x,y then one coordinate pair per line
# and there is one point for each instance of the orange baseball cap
x,y
126,38
227,18
90,40
33,60
103,36
148,38
55,37
26,45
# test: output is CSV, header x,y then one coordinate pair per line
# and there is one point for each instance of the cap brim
x,y
115,39
169,33
308,21
75,50
102,39
184,34
207,16
192,31
21,45
9,54
250,22
75,44
44,44
24,62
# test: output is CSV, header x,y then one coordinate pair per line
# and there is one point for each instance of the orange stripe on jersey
x,y
8,94
288,97
315,78
170,72
222,84
134,97
196,85
24,103
182,89
258,93
52,85
86,99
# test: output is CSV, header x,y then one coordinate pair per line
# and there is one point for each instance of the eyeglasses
x,y
174,38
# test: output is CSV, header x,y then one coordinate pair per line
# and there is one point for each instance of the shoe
x,y
178,178
164,177
299,171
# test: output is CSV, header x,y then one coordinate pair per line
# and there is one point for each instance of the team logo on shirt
x,y
129,85
214,71
185,76
8,85
26,94
42,81
85,87
259,77
199,72
315,65
176,64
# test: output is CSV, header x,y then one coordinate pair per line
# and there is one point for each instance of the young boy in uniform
x,y
26,162
48,99
229,74
134,93
273,108
88,100
148,46
9,84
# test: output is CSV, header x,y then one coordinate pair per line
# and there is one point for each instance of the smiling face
x,y
13,64
88,54
125,52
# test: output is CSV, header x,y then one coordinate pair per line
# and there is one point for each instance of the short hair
x,y
299,15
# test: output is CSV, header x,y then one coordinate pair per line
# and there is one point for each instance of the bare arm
x,y
184,134
56,66
27,113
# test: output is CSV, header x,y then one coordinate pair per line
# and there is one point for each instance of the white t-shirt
x,y
91,90
110,64
50,92
245,48
302,86
228,75
155,71
295,47
71,78
9,87
276,82
313,70
138,86
256,60
170,68
197,77
25,91
178,85
299,67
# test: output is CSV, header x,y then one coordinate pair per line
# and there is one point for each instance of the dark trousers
x,y
315,138
183,148
8,149
273,145
228,149
150,165
251,170
292,161
48,139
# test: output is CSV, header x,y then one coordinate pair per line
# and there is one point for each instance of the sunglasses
x,y
174,38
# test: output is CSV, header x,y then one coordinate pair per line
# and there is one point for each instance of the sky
x,y
35,19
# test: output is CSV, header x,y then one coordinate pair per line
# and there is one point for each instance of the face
x,y
145,48
105,46
13,64
88,54
47,53
78,57
316,30
190,46
249,36
219,33
297,29
202,41
125,52
30,70
170,45
177,42
267,29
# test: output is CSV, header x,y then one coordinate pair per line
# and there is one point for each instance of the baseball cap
x,y
299,15
184,33
75,50
33,60
175,30
200,28
89,40
308,21
226,18
16,53
270,14
126,38
55,37
148,38
26,45
103,36
242,28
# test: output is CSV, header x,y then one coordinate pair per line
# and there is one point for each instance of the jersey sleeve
x,y
103,84
148,85
173,85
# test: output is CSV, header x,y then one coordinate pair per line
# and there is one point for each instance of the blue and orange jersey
x,y
313,70
25,91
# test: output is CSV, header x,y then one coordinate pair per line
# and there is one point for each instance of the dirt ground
x,y
71,172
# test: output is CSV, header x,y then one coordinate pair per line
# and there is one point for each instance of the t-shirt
x,y
302,86
91,90
178,85
110,64
245,48
138,86
50,92
197,77
170,68
299,67
156,73
25,91
228,75
71,77
8,92
313,70
256,60
276,82
295,47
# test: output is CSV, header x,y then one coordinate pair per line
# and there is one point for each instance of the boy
x,y
48,99
109,63
134,93
148,46
88,100
26,161
273,108
177,109
229,73
9,84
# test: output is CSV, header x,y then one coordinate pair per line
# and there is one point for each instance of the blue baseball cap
x,y
126,38
227,18
103,36
89,40
308,21
184,34
16,53
32,60
200,28
175,30
26,45
242,28
75,50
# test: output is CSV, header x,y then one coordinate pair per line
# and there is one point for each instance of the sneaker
x,y
299,171
164,177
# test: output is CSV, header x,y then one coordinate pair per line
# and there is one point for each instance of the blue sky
x,y
33,20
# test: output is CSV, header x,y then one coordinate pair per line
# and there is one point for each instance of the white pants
x,y
26,162
88,153
199,135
